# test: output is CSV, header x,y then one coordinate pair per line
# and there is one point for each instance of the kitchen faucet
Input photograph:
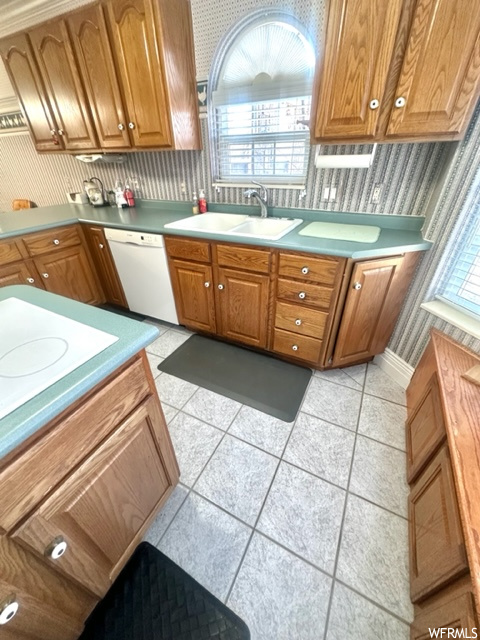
x,y
261,197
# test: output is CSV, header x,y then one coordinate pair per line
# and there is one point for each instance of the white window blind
x,y
260,104
461,285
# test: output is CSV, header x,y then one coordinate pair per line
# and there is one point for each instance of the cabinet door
x,y
90,41
137,47
103,508
453,608
437,548
23,73
367,311
425,430
242,306
20,273
106,270
50,607
193,290
55,59
359,45
440,77
69,274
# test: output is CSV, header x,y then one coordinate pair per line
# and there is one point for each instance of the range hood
x,y
100,158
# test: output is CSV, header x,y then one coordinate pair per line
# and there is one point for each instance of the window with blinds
x,y
259,106
461,285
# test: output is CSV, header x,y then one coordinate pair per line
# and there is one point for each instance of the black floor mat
x,y
122,312
255,379
154,599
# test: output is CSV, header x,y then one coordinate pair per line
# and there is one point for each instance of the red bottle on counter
x,y
202,202
128,195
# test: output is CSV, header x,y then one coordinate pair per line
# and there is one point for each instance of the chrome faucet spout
x,y
262,198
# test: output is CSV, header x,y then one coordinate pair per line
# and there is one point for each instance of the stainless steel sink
x,y
237,225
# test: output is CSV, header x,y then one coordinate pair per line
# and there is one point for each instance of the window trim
x,y
454,315
224,45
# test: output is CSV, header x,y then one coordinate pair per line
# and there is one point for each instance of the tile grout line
x,y
375,604
340,534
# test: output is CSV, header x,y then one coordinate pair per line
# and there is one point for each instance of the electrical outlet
x,y
326,194
333,194
183,188
376,193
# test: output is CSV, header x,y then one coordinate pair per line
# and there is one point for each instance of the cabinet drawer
x,y
437,547
28,479
304,293
48,241
196,250
306,348
308,267
425,430
243,258
302,320
10,251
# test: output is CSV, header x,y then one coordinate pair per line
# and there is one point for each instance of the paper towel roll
x,y
347,161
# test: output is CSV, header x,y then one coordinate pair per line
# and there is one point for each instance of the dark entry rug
x,y
255,379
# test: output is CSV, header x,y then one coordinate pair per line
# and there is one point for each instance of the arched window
x,y
260,93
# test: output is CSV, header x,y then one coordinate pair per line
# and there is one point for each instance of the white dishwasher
x,y
141,262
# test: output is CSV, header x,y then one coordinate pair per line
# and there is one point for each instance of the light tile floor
x,y
299,527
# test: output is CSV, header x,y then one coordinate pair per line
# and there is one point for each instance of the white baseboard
x,y
395,367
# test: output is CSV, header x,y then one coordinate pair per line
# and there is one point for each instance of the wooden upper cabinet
x,y
353,73
135,40
89,38
440,77
23,73
55,59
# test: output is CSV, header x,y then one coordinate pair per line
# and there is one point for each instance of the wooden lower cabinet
x,y
242,306
437,549
444,477
192,284
72,532
105,265
20,273
69,274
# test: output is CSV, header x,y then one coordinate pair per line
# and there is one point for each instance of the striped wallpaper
x,y
417,179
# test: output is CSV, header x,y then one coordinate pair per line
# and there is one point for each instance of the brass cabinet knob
x,y
357,285
302,295
400,102
305,270
56,548
8,609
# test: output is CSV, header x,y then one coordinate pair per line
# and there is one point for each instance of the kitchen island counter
x,y
133,336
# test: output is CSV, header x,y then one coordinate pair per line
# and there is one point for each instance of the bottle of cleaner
x,y
128,195
195,204
202,202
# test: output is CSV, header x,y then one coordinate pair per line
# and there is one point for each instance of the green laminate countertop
x,y
133,336
399,234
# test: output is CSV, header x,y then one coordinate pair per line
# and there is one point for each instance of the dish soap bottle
x,y
202,202
195,204
128,194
